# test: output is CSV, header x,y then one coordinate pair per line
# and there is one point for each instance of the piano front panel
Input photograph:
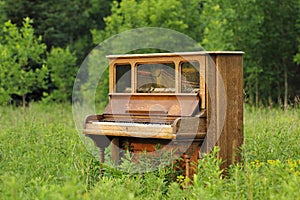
x,y
164,105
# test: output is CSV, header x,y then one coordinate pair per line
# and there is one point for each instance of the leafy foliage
x,y
218,23
267,31
3,16
62,68
297,56
129,14
22,68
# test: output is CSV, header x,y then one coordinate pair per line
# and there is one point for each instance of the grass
x,y
42,157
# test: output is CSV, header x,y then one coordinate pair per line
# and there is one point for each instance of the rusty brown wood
x,y
183,111
115,150
231,70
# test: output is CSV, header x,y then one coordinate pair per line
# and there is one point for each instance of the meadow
x,y
42,157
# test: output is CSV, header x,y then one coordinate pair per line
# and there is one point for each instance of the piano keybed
x,y
145,127
128,129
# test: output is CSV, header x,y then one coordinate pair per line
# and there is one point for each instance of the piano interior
x,y
163,99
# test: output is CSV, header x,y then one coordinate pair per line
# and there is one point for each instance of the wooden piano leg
x,y
115,150
102,142
187,165
102,149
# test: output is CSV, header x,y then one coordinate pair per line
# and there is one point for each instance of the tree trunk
x,y
24,105
279,101
270,101
285,88
24,101
285,70
256,92
251,95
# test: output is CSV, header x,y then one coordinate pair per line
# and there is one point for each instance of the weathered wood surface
x,y
187,127
231,70
153,105
188,121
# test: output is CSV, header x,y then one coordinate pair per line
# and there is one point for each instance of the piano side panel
x,y
236,115
221,109
230,68
210,104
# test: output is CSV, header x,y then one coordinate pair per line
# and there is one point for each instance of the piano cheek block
x,y
184,112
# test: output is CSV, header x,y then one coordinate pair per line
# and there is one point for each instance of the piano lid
x,y
153,104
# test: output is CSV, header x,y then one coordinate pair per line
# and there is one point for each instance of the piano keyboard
x,y
132,124
127,129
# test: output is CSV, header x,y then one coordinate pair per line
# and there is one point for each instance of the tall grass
x,y
41,152
42,157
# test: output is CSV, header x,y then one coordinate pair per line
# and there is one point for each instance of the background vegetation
x,y
43,43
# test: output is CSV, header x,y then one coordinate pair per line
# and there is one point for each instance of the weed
x,y
42,157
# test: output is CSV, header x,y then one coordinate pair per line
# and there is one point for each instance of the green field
x,y
42,157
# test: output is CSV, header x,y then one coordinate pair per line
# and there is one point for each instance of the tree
x,y
265,30
22,68
218,31
179,15
247,33
297,56
192,10
62,67
296,70
3,17
62,23
279,46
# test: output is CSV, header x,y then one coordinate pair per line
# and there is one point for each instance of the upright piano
x,y
188,101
